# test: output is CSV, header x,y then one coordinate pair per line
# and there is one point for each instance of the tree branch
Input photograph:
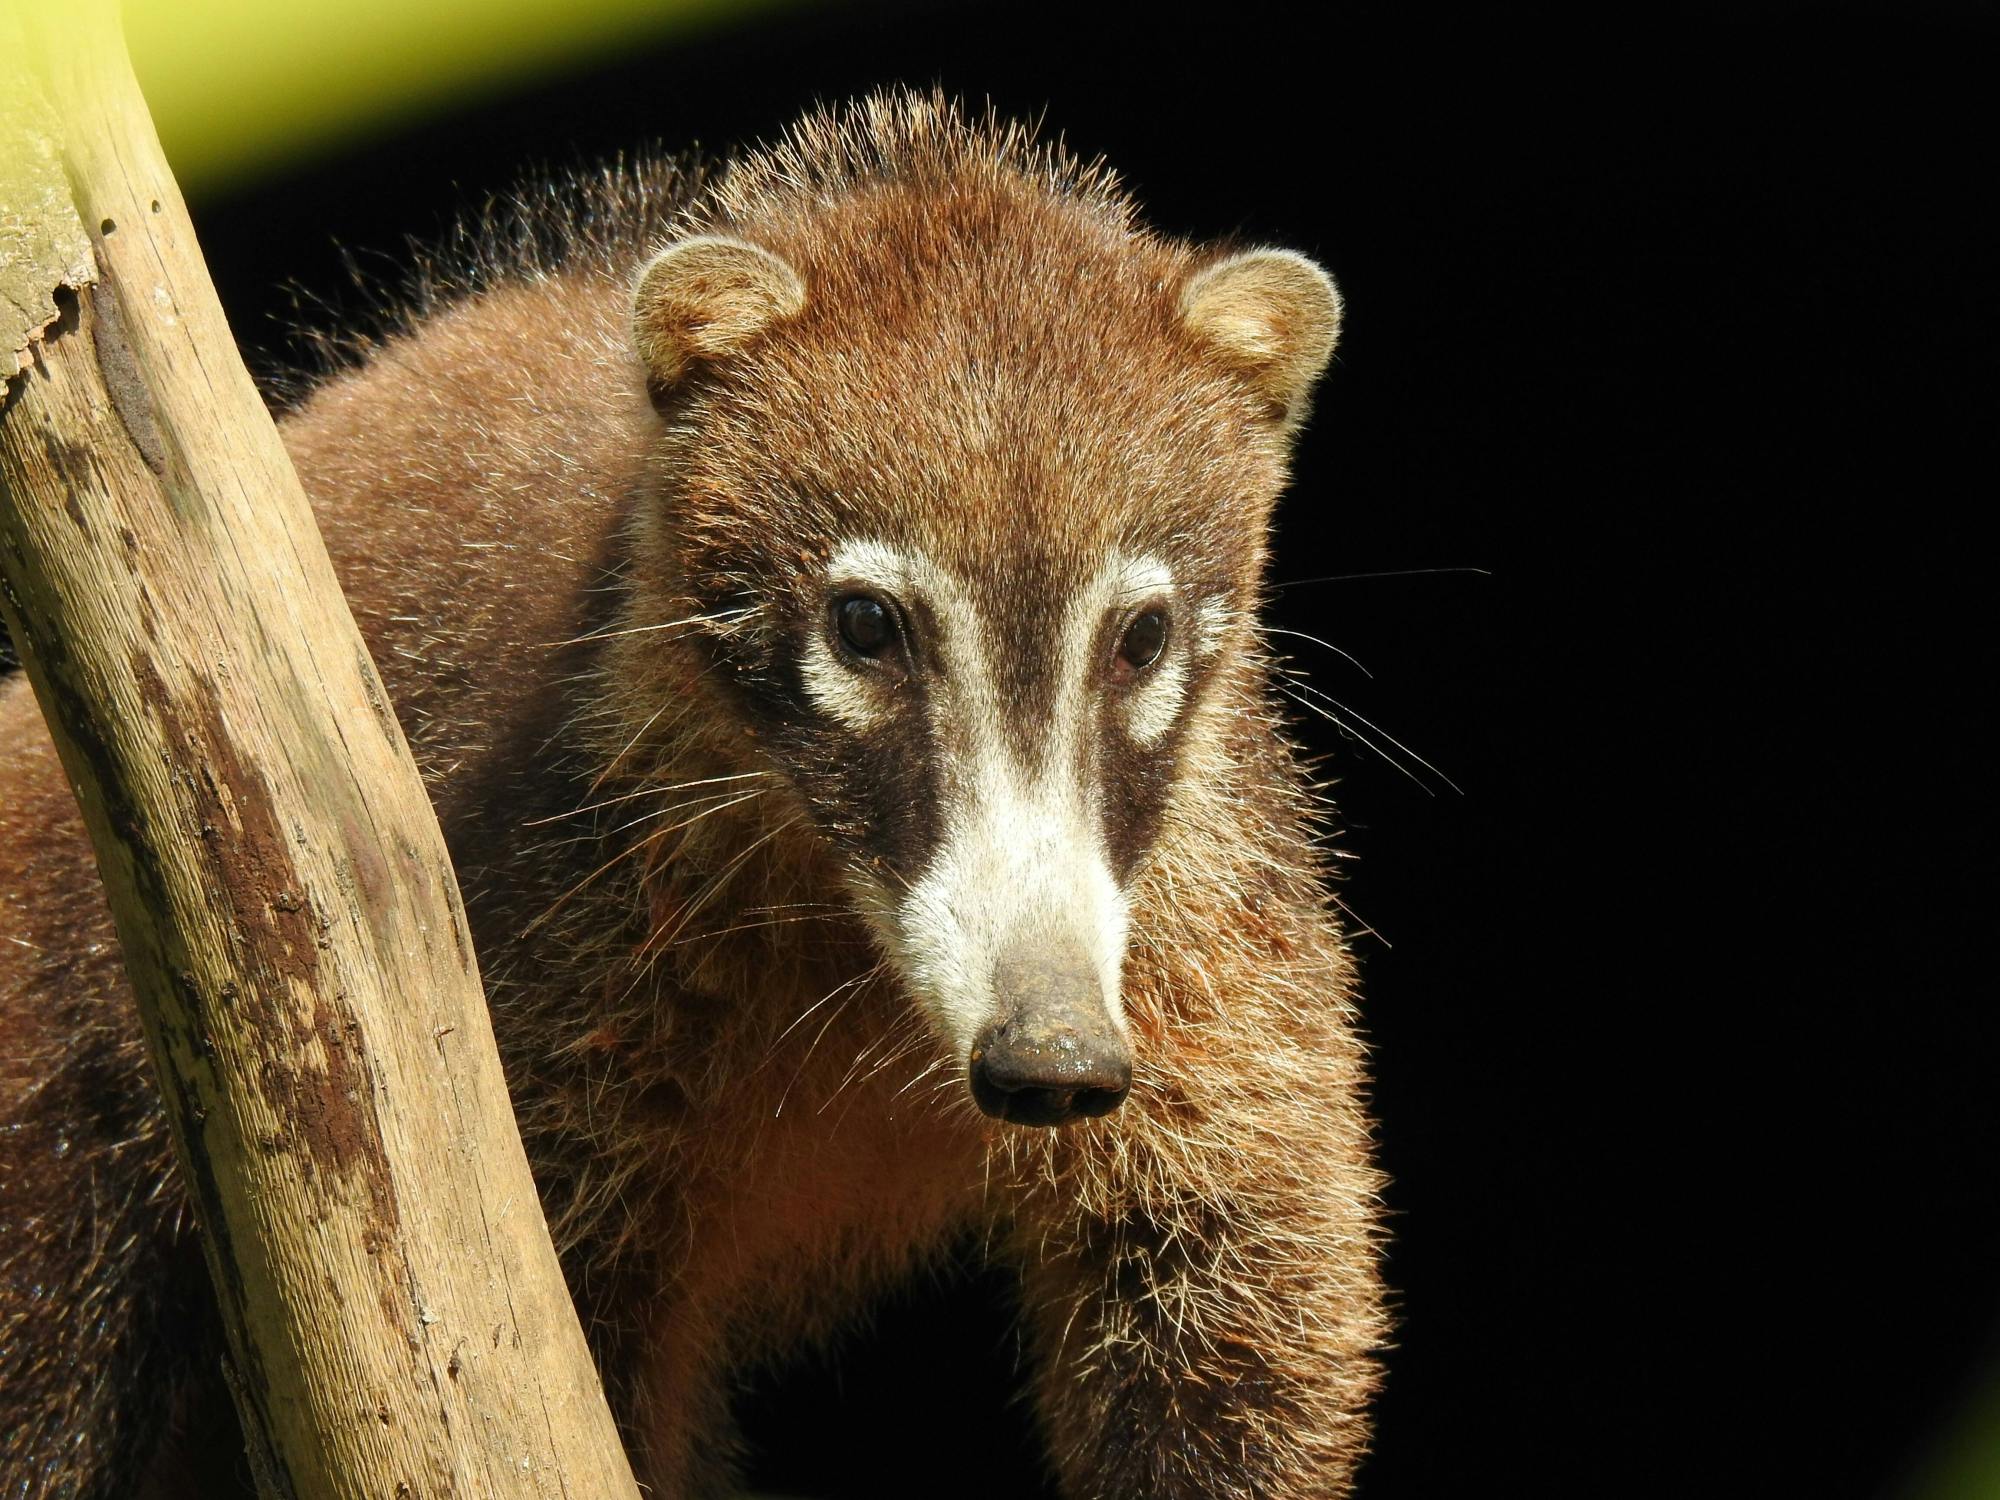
x,y
397,1320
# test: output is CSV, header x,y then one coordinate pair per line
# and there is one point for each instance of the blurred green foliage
x,y
1965,1463
242,87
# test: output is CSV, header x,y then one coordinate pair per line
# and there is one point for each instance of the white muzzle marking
x,y
1023,856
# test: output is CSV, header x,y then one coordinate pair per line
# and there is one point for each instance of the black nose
x,y
1054,1054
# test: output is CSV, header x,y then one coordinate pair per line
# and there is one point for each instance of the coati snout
x,y
1054,1054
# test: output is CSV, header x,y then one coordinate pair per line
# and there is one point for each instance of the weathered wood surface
x,y
397,1320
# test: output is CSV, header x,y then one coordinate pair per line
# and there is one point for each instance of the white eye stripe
x,y
1212,620
1156,697
1159,695
1141,578
837,690
1155,701
874,563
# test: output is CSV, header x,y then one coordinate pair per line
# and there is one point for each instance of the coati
x,y
821,593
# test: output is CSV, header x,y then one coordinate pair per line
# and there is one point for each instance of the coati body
x,y
835,664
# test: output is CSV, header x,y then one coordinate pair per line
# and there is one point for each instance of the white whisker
x,y
1329,645
1297,690
682,624
644,791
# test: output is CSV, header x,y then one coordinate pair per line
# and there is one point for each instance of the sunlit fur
x,y
693,918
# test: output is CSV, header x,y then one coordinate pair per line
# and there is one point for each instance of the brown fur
x,y
741,1123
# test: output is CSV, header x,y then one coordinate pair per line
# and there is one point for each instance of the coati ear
x,y
1272,314
705,298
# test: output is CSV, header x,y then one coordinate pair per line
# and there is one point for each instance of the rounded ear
x,y
705,298
1274,315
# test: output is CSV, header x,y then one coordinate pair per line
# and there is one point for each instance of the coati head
x,y
965,480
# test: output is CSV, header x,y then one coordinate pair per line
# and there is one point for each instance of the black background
x,y
1680,325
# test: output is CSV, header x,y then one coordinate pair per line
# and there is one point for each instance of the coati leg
x,y
1211,1334
107,1328
1161,1374
684,1438
808,1214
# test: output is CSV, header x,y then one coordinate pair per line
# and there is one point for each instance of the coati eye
x,y
1144,639
865,624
